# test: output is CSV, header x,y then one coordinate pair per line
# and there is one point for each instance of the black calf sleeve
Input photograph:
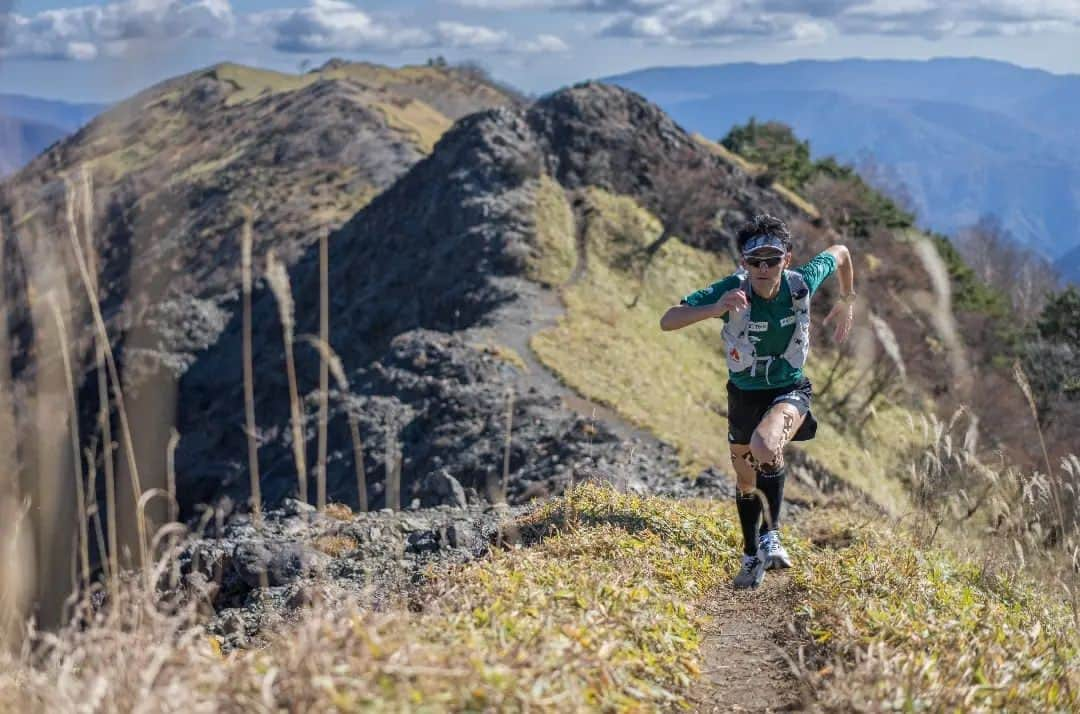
x,y
749,508
772,485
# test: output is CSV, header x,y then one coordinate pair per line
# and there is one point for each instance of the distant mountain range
x,y
1069,265
29,125
966,137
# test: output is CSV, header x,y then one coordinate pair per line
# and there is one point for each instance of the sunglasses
x,y
764,262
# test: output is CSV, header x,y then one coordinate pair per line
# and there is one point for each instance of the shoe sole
x,y
752,586
777,564
758,579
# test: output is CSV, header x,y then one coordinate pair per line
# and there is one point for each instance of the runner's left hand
x,y
844,314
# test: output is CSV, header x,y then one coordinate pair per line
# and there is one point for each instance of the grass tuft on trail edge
x,y
596,607
919,629
593,611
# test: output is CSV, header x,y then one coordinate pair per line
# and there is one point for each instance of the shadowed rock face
x,y
416,280
171,173
600,135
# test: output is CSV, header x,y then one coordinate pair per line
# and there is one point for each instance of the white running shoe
x,y
775,555
751,573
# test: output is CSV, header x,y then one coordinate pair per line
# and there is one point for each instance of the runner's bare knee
x,y
768,449
773,434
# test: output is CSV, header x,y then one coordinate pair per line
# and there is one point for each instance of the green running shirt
x,y
772,322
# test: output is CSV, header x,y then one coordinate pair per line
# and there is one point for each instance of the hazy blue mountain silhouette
x,y
29,125
966,136
22,140
1069,265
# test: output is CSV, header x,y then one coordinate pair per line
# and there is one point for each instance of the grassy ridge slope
x,y
596,615
600,611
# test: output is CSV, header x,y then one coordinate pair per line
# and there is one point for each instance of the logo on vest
x,y
759,327
787,321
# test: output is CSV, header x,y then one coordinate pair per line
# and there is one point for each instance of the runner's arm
x,y
680,316
844,311
845,271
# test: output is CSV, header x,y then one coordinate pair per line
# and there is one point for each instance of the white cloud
x,y
713,23
807,32
459,35
339,26
545,44
84,33
119,28
693,22
609,6
334,26
923,18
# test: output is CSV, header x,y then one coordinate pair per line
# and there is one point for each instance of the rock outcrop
x,y
418,280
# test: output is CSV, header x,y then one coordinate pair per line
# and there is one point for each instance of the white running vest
x,y
742,353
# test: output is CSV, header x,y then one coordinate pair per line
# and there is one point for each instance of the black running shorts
x,y
747,407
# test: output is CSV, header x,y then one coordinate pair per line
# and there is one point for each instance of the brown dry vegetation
x,y
599,609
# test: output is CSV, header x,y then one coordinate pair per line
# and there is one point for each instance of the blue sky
x,y
103,50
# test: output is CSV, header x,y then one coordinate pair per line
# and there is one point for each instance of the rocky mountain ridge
x,y
172,170
437,265
155,193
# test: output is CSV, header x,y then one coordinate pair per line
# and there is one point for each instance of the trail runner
x,y
766,312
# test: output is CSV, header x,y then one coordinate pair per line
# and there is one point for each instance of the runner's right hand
x,y
732,300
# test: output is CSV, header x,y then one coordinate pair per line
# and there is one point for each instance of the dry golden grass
x,y
504,353
598,615
796,201
247,240
555,235
919,629
416,119
335,545
729,156
278,278
401,110
596,612
252,82
338,511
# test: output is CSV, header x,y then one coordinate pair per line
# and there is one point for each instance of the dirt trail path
x,y
743,667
